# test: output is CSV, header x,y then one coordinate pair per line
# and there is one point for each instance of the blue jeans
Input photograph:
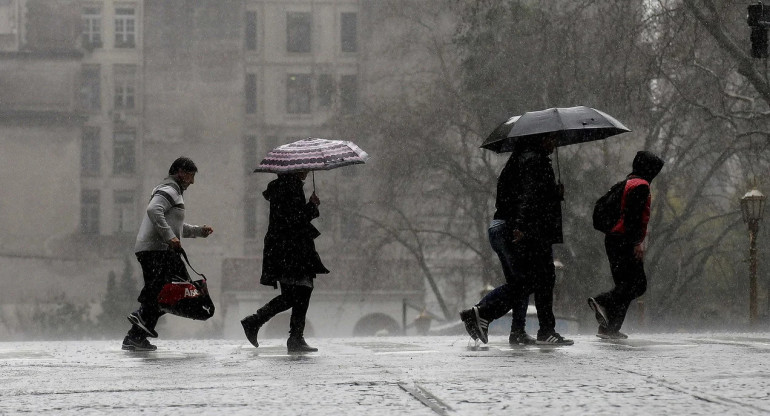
x,y
528,268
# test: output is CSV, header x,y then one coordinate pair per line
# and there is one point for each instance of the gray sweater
x,y
164,219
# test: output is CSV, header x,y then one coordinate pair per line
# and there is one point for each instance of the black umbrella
x,y
571,125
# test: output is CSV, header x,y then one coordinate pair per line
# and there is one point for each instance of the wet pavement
x,y
649,374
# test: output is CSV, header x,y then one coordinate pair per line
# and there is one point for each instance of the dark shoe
x,y
470,323
136,319
131,344
553,339
251,328
520,338
299,345
599,312
606,334
476,326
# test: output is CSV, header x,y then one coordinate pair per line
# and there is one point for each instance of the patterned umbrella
x,y
312,154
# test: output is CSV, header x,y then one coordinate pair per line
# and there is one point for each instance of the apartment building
x,y
100,96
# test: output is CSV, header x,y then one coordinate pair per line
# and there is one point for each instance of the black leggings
x,y
295,297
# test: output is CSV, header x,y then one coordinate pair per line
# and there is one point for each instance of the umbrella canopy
x,y
312,154
571,125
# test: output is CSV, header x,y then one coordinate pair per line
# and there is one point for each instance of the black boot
x,y
251,325
296,341
298,344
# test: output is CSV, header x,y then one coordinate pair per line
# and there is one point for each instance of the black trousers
x,y
158,267
294,297
528,268
628,276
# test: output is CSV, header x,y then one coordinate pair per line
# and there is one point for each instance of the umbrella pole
x,y
313,173
558,167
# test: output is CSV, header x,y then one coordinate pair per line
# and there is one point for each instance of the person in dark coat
x,y
289,258
527,222
625,248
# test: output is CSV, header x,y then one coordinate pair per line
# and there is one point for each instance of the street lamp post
x,y
752,208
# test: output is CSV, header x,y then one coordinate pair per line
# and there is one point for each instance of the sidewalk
x,y
649,374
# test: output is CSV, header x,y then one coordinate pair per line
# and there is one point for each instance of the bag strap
x,y
184,254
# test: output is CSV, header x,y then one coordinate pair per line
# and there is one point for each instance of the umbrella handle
x,y
558,167
313,173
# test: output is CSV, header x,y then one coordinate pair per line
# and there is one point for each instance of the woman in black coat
x,y
289,258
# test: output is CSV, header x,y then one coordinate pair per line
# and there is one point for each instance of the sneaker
x,y
520,338
606,334
130,344
553,339
475,325
136,319
599,312
470,324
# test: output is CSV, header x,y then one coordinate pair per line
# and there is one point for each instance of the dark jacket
x,y
528,198
636,199
289,247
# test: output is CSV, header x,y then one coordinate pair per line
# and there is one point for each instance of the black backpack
x,y
607,208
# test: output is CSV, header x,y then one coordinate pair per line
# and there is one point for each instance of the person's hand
x,y
206,230
175,244
314,199
517,235
639,251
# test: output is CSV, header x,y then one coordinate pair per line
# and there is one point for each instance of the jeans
x,y
528,268
628,276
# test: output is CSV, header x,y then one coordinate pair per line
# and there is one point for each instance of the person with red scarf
x,y
625,248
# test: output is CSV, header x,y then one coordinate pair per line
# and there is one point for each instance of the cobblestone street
x,y
648,374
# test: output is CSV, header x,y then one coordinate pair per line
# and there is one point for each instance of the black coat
x,y
289,248
528,198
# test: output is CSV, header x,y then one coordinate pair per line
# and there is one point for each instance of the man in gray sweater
x,y
156,250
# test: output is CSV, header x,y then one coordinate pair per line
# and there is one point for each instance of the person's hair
x,y
183,163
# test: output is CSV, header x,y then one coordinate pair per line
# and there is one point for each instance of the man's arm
x,y
156,210
193,231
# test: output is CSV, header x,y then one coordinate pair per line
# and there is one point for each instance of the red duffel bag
x,y
186,297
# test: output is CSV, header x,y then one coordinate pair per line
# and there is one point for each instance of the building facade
x,y
100,96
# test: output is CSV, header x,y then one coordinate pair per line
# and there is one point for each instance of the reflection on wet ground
x,y
646,374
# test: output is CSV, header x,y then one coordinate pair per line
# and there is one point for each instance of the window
x,y
325,90
298,94
89,212
348,33
90,158
251,31
349,93
92,27
298,32
250,218
125,87
250,154
124,211
125,27
251,93
90,91
124,153
7,17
